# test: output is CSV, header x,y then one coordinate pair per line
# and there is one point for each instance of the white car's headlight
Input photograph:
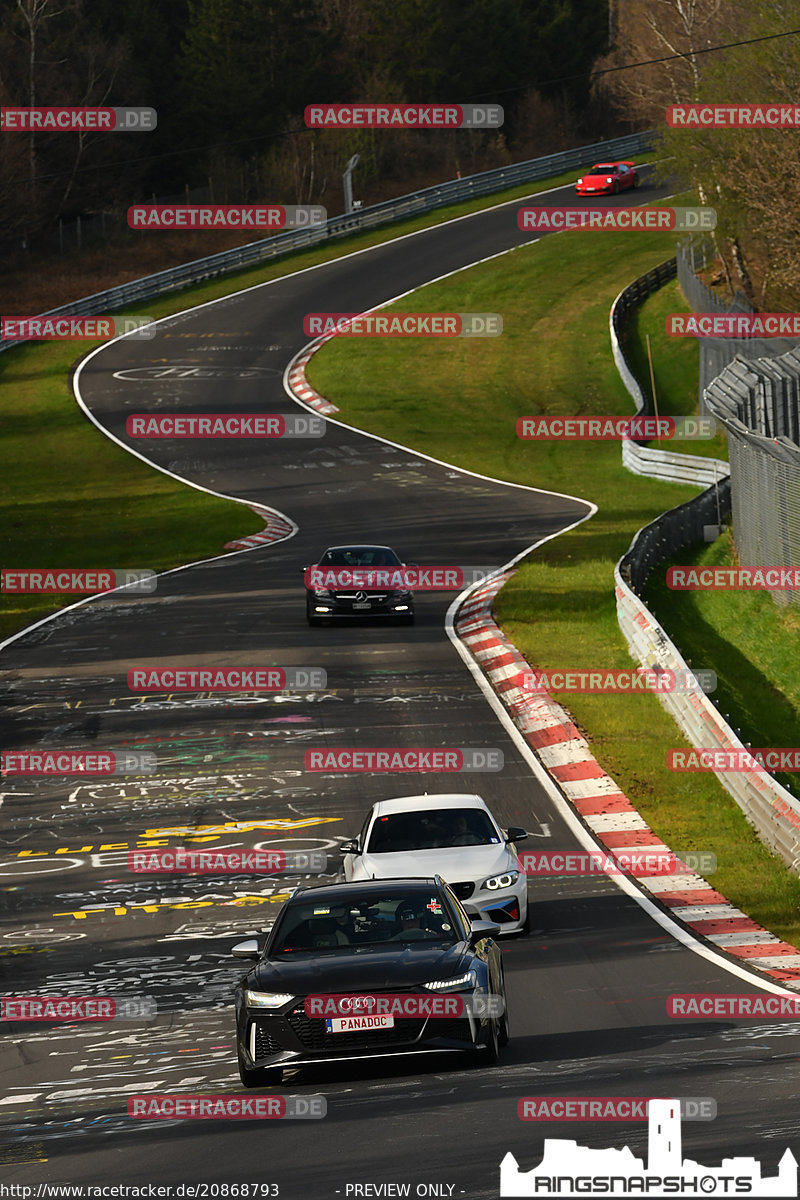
x,y
507,879
266,999
456,984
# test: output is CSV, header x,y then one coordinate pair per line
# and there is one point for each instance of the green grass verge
x,y
459,401
70,498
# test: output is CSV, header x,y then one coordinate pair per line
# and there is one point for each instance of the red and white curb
x,y
601,804
299,385
277,528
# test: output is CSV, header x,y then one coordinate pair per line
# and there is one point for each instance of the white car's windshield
x,y
433,829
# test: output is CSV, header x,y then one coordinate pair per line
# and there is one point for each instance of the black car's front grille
x,y
265,1042
463,890
311,1032
456,1028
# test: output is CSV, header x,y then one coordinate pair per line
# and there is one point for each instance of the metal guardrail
x,y
668,465
425,200
772,810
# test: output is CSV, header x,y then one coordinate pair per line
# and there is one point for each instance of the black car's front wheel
x,y
256,1077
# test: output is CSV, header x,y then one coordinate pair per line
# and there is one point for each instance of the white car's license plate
x,y
353,1024
362,604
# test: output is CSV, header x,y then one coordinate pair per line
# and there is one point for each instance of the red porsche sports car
x,y
608,177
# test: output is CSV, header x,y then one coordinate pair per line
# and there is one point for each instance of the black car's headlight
x,y
266,999
322,592
457,984
495,882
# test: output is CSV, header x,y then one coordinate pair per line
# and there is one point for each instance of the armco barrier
x,y
770,808
643,460
425,200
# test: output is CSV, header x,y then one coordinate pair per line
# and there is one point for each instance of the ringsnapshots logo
x,y
366,760
273,217
180,861
622,680
73,1009
378,1011
739,759
636,860
70,581
570,1170
397,324
614,429
224,425
166,1107
73,329
548,219
733,325
732,579
78,120
608,1108
227,679
403,116
733,116
77,762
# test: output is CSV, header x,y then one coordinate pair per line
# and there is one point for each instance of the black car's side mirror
x,y
483,929
247,949
349,848
515,834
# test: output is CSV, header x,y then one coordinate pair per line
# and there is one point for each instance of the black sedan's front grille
x,y
265,1042
463,890
311,1032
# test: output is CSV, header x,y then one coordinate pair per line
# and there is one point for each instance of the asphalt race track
x,y
587,987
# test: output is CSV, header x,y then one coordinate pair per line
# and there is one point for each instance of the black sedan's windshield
x,y
360,556
311,925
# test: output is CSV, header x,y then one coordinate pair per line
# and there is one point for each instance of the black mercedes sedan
x,y
358,581
362,970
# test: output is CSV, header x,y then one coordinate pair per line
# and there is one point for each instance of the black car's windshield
x,y
431,829
380,920
360,556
